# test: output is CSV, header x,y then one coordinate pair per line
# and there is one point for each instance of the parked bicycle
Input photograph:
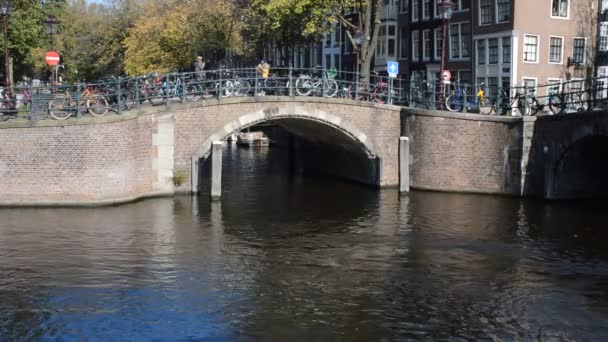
x,y
525,105
65,105
566,101
457,100
307,84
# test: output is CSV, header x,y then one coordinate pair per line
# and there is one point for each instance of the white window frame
x,y
485,49
496,12
404,8
537,48
415,47
430,41
584,51
604,29
416,10
524,78
502,50
459,6
551,79
436,34
567,17
604,5
394,38
479,13
561,61
426,15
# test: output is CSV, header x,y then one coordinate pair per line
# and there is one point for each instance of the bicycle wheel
x,y
453,103
486,106
330,88
58,109
556,104
97,106
193,92
304,86
574,103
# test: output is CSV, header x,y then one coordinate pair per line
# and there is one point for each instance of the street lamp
x,y
6,9
446,7
52,25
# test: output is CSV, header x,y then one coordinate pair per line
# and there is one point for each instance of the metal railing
x,y
119,94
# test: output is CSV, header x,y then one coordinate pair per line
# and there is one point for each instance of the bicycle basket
x,y
331,73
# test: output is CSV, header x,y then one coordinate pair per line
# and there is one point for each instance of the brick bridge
x,y
157,150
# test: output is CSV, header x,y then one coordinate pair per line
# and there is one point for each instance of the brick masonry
x,y
123,157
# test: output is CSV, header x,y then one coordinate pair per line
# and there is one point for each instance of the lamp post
x,y
446,7
6,9
52,25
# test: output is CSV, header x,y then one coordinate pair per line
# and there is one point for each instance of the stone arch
x,y
289,112
580,168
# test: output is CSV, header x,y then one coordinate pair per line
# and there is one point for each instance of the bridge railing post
x,y
290,79
118,94
390,91
137,92
167,98
526,104
590,88
357,85
30,112
219,87
184,88
464,98
77,99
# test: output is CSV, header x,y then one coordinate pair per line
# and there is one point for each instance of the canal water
x,y
291,258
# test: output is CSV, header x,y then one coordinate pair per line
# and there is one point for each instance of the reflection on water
x,y
291,258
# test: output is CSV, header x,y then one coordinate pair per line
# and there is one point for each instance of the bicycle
x,y
455,102
505,103
309,84
379,92
560,103
62,106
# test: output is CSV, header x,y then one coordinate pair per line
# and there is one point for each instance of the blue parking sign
x,y
393,68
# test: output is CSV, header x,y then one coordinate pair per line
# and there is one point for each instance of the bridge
x,y
161,150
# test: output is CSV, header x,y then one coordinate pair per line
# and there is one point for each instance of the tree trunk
x,y
370,26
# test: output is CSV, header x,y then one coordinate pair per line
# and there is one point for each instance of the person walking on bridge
x,y
199,68
263,70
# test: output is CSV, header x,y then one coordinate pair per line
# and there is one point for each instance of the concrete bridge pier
x,y
216,170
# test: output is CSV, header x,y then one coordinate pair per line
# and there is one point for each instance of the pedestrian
x,y
199,68
263,70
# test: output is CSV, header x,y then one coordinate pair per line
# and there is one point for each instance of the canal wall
x,y
459,152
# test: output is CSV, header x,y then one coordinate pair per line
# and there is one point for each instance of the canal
x,y
292,258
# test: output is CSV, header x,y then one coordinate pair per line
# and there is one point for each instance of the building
x,y
534,42
425,39
601,58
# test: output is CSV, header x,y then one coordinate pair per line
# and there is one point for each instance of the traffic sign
x,y
52,58
393,68
446,76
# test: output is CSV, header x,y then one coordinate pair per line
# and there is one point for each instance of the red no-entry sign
x,y
52,58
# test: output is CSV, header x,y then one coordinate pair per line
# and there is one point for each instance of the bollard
x,y
119,94
216,170
404,164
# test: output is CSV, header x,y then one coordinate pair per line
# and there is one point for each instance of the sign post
x,y
393,69
52,59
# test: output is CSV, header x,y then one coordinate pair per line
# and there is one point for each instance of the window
x,y
530,83
556,45
553,85
559,8
327,40
415,10
530,48
493,51
578,54
438,42
381,44
481,52
485,12
462,5
503,10
337,61
604,5
392,40
415,46
603,37
426,45
460,40
506,50
337,36
602,84
403,42
403,6
327,61
426,9
492,86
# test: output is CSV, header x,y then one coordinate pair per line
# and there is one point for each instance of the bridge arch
x,y
580,170
334,132
277,114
